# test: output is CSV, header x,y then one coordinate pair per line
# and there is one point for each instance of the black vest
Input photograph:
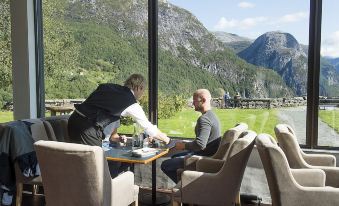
x,y
106,104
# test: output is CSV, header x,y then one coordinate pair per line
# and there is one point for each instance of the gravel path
x,y
296,117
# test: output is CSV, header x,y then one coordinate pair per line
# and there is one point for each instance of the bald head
x,y
202,100
203,93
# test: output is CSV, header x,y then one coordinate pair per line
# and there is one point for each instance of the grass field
x,y
330,117
6,116
182,124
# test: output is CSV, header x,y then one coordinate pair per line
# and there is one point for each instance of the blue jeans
x,y
170,166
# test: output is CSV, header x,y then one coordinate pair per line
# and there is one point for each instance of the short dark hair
x,y
134,81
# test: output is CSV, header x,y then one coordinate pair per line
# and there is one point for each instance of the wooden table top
x,y
125,155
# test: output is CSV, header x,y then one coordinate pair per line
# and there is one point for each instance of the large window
x,y
91,42
6,96
255,49
328,123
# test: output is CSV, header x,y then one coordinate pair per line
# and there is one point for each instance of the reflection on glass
x,y
328,126
6,97
254,52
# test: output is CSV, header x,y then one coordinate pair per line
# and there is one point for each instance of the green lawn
x,y
330,117
6,116
182,124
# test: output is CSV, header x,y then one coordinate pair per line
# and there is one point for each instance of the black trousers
x,y
82,130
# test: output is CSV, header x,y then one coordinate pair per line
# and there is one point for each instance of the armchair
x,y
75,174
221,188
293,187
298,159
225,144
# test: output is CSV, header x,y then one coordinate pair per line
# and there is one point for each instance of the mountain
x,y
334,62
329,78
109,41
233,41
282,53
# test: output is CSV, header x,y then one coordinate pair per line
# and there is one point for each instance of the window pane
x,y
6,93
204,45
92,42
328,126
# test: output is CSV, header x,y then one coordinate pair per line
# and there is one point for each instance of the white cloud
x,y
330,45
247,23
288,18
246,5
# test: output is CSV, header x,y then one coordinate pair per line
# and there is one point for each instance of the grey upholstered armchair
x,y
227,140
298,159
293,187
222,187
75,174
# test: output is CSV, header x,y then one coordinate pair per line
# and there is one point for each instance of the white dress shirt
x,y
136,112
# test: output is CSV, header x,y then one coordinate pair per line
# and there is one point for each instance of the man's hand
x,y
164,137
123,139
180,146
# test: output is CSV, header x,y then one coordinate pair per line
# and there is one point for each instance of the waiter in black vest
x,y
105,106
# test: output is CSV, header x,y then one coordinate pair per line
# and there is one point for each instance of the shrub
x,y
168,106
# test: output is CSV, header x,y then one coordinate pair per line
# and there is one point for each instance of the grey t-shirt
x,y
207,133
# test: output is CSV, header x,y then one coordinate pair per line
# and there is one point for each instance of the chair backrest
x,y
41,131
289,144
228,139
232,172
59,125
228,180
73,174
278,174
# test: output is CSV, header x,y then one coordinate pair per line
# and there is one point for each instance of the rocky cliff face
x,y
183,36
282,53
233,41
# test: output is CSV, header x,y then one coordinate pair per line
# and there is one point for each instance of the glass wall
x,y
253,51
6,97
328,125
91,42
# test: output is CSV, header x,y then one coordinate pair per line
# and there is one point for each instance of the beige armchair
x,y
75,174
298,159
225,144
221,188
295,187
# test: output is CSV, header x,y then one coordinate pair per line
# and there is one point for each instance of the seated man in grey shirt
x,y
207,131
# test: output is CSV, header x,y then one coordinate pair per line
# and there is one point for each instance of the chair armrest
x,y
332,175
189,176
190,161
209,165
320,159
123,189
309,177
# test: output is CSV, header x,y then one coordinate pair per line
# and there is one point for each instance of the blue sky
x,y
252,18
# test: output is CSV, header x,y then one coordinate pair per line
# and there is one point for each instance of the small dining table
x,y
124,154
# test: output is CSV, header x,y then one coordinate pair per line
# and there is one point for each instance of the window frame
x,y
312,74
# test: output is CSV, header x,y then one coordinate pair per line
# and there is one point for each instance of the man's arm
x,y
137,113
204,130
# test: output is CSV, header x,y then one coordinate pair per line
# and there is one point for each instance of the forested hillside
x,y
90,42
5,54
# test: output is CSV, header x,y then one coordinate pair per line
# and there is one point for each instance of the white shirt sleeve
x,y
137,113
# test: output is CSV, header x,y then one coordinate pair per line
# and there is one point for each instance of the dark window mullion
x,y
39,58
313,74
153,60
